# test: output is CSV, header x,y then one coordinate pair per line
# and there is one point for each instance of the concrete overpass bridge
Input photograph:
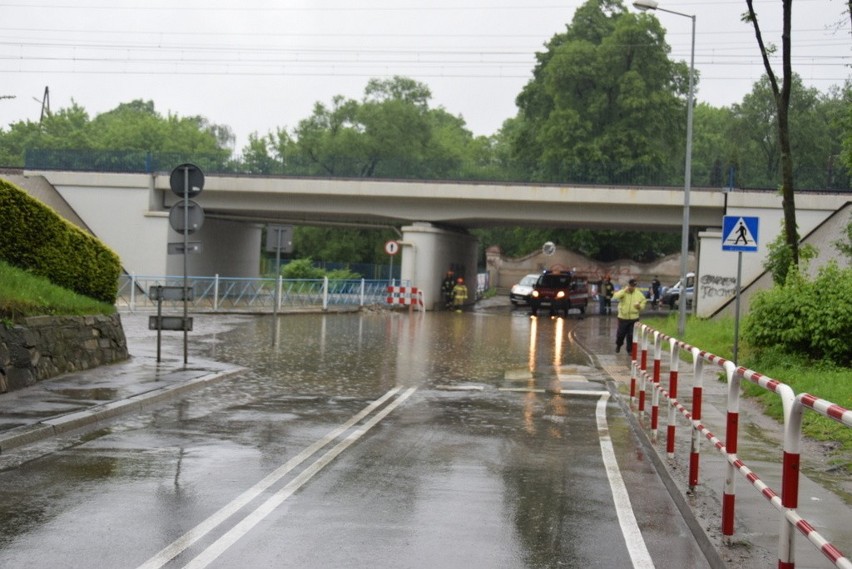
x,y
129,211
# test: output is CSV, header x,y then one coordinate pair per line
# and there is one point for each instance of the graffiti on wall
x,y
715,286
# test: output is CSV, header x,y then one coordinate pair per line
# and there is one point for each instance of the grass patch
x,y
23,294
821,379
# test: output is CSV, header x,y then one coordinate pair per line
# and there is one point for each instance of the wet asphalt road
x,y
374,439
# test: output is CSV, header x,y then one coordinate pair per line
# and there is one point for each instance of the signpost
x,y
740,234
186,181
391,248
160,322
279,238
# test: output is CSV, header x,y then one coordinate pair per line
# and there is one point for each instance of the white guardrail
x,y
253,294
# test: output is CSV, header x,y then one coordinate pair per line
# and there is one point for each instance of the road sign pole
x,y
736,228
185,262
277,277
737,305
159,319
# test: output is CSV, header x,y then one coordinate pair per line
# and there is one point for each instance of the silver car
x,y
520,293
671,295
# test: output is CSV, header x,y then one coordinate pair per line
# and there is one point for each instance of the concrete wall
x,y
506,271
46,346
229,248
717,272
428,252
717,276
128,214
120,213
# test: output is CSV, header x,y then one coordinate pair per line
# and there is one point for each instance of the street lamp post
x,y
687,175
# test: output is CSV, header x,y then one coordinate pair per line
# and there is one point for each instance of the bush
x,y
301,269
38,240
305,269
809,318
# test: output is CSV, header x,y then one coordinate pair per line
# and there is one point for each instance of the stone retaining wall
x,y
46,346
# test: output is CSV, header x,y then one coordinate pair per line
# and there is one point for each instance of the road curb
x,y
108,411
705,544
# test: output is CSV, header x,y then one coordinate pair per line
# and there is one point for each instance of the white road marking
x,y
183,542
629,528
592,392
243,527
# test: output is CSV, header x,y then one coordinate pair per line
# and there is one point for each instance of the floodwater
x,y
357,354
479,456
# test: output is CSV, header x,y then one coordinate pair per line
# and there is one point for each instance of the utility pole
x,y
45,105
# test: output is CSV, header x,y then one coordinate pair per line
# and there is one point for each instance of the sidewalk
x,y
760,444
83,398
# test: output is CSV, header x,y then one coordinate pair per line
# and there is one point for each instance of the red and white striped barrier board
x,y
405,295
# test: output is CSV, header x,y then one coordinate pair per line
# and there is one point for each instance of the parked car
x,y
671,295
520,293
559,292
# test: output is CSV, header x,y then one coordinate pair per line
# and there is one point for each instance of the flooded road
x,y
482,439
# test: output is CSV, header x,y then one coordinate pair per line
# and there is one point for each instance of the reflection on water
x,y
358,353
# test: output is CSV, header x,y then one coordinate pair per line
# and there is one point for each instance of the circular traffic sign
x,y
188,222
391,247
186,177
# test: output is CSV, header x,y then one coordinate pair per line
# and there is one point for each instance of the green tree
x,y
713,149
65,129
816,130
605,101
130,126
342,245
390,132
138,126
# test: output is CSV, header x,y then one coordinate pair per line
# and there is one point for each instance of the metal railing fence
x,y
831,177
251,294
794,405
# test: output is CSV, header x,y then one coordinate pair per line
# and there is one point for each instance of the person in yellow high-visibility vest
x,y
631,302
459,294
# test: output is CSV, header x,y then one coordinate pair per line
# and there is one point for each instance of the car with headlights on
x,y
559,292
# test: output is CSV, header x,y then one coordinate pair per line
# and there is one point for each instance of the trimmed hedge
x,y
35,238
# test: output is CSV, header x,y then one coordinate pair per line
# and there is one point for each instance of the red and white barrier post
x,y
790,480
731,435
674,361
697,394
655,378
640,338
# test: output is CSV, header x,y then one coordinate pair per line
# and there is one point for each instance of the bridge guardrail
x,y
252,294
794,406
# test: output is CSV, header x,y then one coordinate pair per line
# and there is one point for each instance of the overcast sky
x,y
256,65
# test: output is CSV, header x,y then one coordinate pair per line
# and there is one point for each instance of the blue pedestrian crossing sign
x,y
739,233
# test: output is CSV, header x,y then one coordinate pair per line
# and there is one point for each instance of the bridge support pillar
x,y
229,248
428,252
